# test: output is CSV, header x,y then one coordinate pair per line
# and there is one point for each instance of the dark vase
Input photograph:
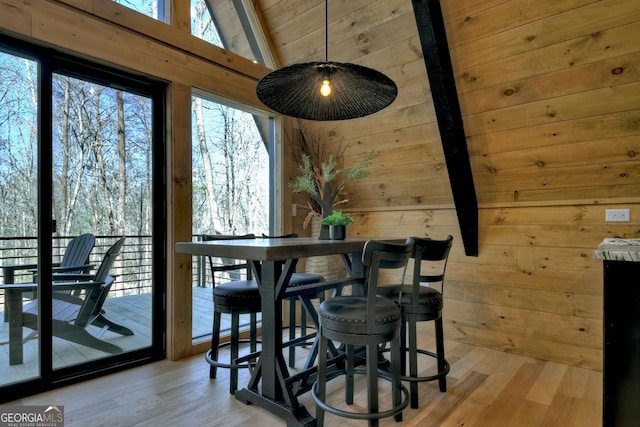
x,y
324,229
324,232
337,232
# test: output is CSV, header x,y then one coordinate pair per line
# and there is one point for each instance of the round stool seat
x,y
303,279
348,315
299,279
241,296
235,297
429,299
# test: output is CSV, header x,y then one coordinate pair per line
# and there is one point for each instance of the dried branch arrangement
x,y
322,176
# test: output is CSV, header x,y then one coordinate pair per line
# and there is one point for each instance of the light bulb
x,y
325,90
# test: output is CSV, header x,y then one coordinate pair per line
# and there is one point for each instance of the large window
x,y
81,152
231,186
226,23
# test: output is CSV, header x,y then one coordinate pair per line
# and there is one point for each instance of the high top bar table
x,y
273,261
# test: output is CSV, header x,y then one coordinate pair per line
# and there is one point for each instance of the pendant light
x,y
326,90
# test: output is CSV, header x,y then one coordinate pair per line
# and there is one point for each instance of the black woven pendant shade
x,y
356,91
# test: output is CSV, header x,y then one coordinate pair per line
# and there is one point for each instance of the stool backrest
x,y
436,251
231,266
379,255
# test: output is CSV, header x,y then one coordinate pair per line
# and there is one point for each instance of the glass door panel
x,y
102,185
18,213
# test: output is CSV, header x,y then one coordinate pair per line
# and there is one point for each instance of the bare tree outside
x,y
230,160
101,161
230,171
101,154
18,146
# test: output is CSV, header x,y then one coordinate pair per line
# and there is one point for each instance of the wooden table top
x,y
266,249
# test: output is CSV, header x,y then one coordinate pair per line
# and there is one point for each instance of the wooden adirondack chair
x,y
74,260
76,256
72,311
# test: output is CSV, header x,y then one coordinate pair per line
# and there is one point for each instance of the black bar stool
x,y
365,321
420,304
234,297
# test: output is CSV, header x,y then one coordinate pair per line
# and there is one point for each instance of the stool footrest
x,y
433,377
240,362
361,415
437,376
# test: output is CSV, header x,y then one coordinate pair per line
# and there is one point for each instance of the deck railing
x,y
132,268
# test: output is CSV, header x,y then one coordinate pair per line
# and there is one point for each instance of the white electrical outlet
x,y
617,215
294,209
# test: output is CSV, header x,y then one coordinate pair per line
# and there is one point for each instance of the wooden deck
x,y
132,311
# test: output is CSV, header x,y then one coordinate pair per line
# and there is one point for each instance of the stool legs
x,y
234,345
292,331
350,367
253,331
413,362
372,380
235,339
307,312
215,342
442,363
396,376
322,378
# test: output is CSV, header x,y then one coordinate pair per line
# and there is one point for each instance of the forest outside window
x,y
232,191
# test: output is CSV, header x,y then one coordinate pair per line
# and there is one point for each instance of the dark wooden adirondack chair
x,y
74,260
76,256
72,311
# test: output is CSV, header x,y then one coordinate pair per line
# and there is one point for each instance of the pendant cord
x,y
326,31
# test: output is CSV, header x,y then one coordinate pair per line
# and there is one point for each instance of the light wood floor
x,y
485,388
132,311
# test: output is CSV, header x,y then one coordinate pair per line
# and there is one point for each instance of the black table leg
x,y
274,394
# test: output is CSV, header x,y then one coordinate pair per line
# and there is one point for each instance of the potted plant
x,y
323,178
337,223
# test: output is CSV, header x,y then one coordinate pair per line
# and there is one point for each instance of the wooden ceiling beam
x,y
435,49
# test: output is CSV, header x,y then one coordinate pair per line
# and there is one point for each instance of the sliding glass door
x,y
81,219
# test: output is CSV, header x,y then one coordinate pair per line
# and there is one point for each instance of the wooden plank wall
x,y
550,96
